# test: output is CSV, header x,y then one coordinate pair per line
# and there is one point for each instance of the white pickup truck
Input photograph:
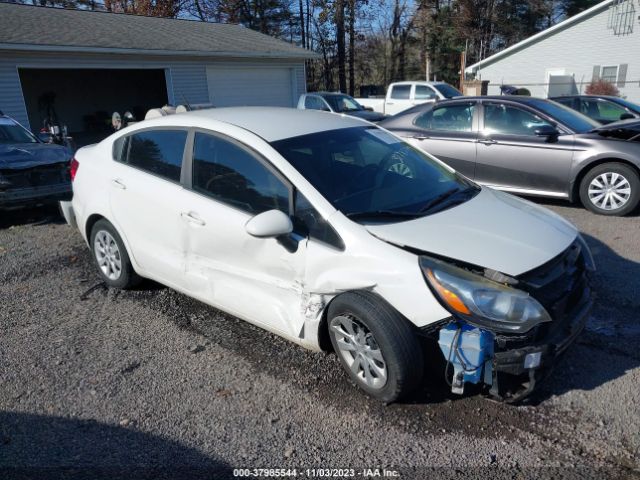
x,y
403,95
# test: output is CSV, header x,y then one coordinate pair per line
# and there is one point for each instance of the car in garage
x,y
601,108
298,222
32,173
528,146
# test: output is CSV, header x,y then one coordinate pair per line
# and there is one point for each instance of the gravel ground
x,y
97,383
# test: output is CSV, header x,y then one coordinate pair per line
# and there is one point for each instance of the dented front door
x,y
257,279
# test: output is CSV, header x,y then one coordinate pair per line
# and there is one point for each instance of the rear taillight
x,y
73,168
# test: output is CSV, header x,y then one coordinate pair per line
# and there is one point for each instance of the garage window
x,y
158,152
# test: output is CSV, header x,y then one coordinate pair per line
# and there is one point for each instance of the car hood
x,y
367,115
492,230
27,155
622,130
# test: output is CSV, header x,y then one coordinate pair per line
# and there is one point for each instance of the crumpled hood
x,y
27,155
492,230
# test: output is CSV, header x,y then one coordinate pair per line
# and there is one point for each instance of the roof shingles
x,y
24,25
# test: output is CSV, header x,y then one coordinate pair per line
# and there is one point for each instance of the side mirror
x,y
546,131
269,224
368,109
626,116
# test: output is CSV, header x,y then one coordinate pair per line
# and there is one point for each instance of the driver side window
x,y
229,173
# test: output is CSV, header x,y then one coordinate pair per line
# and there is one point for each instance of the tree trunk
x,y
303,39
352,46
340,42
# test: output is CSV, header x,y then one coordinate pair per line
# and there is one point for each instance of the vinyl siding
x,y
186,77
576,49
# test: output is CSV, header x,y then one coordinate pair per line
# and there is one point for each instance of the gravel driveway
x,y
96,383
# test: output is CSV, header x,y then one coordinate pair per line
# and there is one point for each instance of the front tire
x,y
376,345
610,189
111,257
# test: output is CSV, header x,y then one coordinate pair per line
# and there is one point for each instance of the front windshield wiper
x,y
440,199
382,214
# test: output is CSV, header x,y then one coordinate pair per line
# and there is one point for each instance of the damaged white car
x,y
336,234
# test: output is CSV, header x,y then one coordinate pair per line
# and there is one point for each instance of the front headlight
x,y
480,301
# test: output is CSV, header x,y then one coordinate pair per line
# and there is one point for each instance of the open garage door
x,y
84,99
254,86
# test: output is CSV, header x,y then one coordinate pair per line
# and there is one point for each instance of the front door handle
x,y
421,137
487,141
193,218
116,182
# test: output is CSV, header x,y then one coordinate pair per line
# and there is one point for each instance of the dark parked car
x,y
32,172
601,108
337,103
529,146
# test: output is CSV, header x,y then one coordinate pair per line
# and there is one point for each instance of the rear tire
x,y
376,345
111,257
610,189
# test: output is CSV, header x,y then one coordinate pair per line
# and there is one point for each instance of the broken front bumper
x,y
34,196
514,376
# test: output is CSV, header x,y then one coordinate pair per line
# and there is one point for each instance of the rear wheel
x,y
110,256
610,189
376,345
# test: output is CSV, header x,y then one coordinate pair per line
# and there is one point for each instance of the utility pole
x,y
427,67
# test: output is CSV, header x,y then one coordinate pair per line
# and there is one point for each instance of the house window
x,y
609,74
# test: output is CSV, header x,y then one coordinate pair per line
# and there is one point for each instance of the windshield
x,y
576,121
366,171
342,103
447,90
11,132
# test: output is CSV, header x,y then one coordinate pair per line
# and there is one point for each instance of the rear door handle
x,y
487,141
116,182
192,217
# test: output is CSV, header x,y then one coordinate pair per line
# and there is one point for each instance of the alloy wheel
x,y
360,351
108,255
609,191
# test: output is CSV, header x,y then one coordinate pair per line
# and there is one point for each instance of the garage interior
x,y
85,99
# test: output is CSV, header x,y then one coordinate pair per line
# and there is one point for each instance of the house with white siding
x,y
602,42
83,65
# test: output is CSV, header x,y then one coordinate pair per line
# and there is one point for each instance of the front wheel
x,y
610,189
376,345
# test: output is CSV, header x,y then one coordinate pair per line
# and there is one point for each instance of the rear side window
x,y
231,174
155,151
401,92
314,103
424,92
449,118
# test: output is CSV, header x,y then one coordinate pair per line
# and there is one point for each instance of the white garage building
x,y
601,42
84,65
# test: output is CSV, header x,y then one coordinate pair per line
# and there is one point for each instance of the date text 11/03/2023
x,y
316,472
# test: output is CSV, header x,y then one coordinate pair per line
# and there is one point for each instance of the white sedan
x,y
336,234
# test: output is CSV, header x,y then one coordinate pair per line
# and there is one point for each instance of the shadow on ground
x,y
30,216
42,447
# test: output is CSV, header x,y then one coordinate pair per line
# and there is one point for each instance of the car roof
x,y
270,123
328,94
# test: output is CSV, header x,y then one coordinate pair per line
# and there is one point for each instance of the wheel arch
x,y
575,185
323,328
